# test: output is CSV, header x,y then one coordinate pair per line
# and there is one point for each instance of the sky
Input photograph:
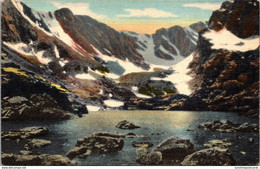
x,y
142,16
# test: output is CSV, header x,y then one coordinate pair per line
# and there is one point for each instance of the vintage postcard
x,y
129,82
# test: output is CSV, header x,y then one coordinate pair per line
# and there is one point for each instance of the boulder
x,y
126,125
209,157
31,160
174,149
146,158
142,144
117,135
25,152
218,143
227,126
36,143
37,107
131,135
24,133
95,144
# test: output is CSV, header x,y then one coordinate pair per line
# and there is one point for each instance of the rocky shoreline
x,y
171,151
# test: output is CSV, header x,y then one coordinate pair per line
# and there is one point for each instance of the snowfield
x,y
113,103
224,39
148,52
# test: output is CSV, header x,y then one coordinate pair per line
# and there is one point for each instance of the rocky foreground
x,y
171,151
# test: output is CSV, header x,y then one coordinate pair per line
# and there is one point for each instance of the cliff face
x,y
89,33
238,16
227,70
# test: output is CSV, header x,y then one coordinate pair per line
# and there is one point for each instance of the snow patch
x,y
41,58
225,39
49,19
56,52
113,103
127,65
171,44
180,78
85,76
92,108
23,49
148,54
101,92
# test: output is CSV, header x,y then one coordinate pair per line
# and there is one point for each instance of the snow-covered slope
x,y
147,50
225,39
167,46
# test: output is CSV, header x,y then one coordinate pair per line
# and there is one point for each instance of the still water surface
x,y
157,125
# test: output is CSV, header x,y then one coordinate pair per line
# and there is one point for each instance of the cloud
x,y
79,9
205,6
147,12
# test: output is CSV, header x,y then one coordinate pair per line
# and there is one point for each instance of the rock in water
x,y
96,145
174,149
146,158
227,126
126,125
142,144
29,160
36,143
209,157
218,143
24,133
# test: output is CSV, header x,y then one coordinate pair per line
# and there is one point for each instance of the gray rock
x,y
142,144
37,107
25,152
174,149
227,126
218,143
36,143
209,157
95,144
146,158
24,133
127,125
41,160
17,99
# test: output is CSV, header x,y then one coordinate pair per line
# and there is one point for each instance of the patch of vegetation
x,y
169,91
3,54
77,68
102,69
150,91
15,70
85,69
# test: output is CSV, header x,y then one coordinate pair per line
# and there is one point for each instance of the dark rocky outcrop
x,y
183,38
148,158
37,107
33,160
24,133
238,16
219,143
126,125
227,126
174,150
96,145
227,80
36,143
156,103
210,157
85,31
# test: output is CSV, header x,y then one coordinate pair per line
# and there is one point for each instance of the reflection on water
x,y
182,119
157,125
